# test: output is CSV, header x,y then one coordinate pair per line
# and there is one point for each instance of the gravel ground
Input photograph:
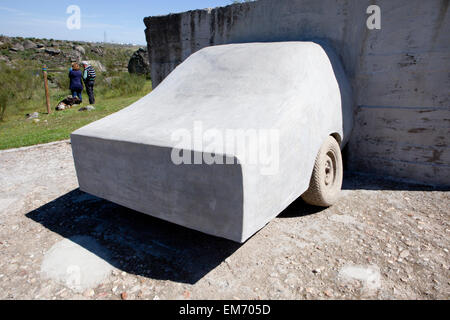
x,y
383,240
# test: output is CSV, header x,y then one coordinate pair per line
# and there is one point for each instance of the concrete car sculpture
x,y
296,90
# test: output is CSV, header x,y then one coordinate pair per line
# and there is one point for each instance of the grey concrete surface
x,y
126,157
399,74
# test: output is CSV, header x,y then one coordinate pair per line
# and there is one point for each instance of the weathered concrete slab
x,y
296,89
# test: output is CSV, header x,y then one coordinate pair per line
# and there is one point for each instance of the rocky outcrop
x,y
17,47
139,63
75,56
80,49
98,66
52,51
28,44
98,51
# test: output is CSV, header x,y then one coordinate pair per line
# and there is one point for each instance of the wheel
x,y
326,181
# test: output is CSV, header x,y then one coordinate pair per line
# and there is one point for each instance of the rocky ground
x,y
383,240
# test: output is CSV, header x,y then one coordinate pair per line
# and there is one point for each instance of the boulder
x,y
80,49
28,44
97,50
139,62
17,47
98,66
52,51
40,45
75,56
5,39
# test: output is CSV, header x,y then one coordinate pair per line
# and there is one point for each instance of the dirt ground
x,y
383,240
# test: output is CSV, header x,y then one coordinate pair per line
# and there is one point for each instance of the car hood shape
x,y
290,95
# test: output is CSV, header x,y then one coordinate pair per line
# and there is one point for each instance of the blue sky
x,y
121,20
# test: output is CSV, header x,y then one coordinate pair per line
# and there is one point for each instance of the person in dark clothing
x,y
76,84
89,80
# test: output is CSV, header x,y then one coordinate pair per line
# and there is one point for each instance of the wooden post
x,y
47,97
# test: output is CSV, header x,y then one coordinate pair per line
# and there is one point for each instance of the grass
x,y
16,131
22,92
19,132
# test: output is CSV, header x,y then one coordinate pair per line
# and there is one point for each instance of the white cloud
x,y
15,11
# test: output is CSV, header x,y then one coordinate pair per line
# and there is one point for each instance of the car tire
x,y
326,181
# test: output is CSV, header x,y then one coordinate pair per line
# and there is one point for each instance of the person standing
x,y
89,80
76,84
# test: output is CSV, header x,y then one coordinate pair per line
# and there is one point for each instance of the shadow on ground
x,y
300,208
142,245
133,242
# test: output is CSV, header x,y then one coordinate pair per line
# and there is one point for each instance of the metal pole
x,y
47,97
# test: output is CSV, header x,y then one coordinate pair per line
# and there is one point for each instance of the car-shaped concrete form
x,y
293,96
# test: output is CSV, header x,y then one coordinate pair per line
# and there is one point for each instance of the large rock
x,y
17,47
97,50
5,39
98,66
80,49
139,62
28,44
75,56
53,51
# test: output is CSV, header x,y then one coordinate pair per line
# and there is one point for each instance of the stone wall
x,y
400,74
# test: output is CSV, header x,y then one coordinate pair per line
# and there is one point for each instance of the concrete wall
x,y
400,74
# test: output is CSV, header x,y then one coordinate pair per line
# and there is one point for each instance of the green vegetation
x,y
22,93
19,132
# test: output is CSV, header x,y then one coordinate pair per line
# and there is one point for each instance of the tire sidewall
x,y
331,193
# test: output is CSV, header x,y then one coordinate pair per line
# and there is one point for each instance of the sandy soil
x,y
383,240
